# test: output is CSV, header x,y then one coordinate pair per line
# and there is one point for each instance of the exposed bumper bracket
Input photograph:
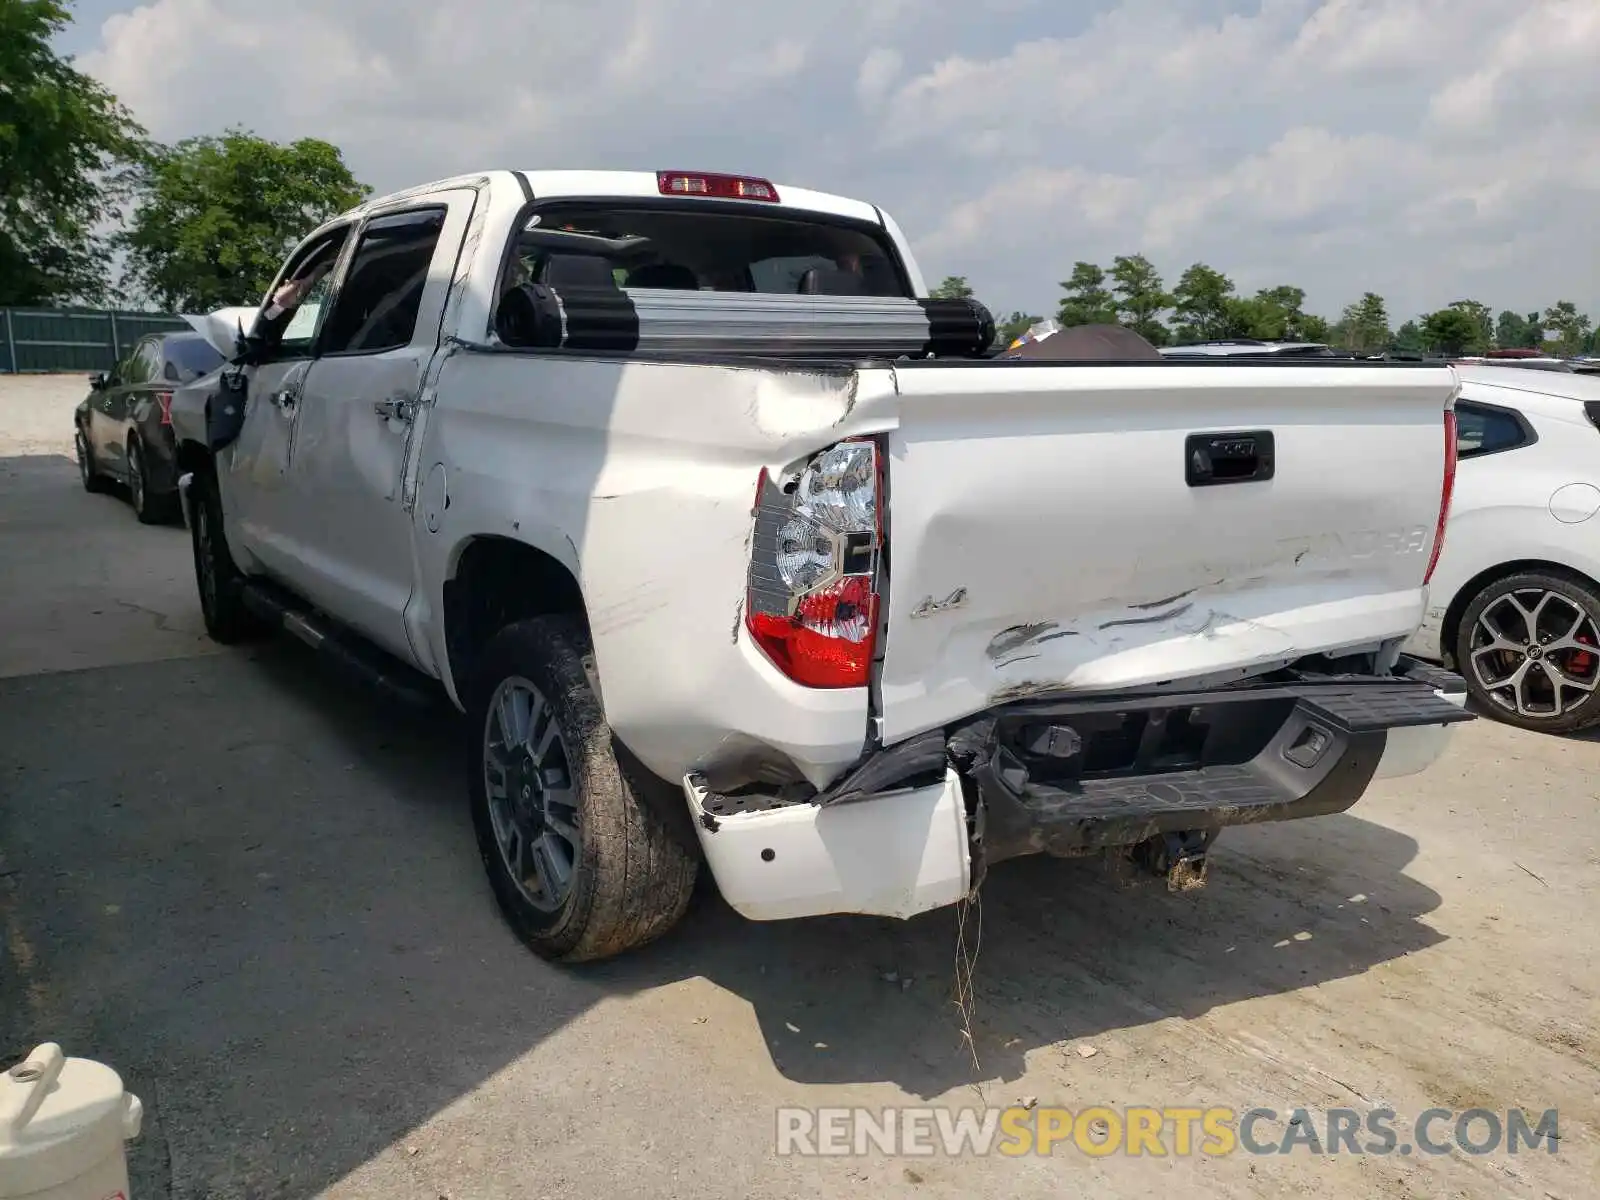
x,y
916,826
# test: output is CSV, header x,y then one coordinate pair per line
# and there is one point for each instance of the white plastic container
x,y
63,1123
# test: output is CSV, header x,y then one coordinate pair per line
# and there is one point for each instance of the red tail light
x,y
1449,487
812,603
165,400
722,187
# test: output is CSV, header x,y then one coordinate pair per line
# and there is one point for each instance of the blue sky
x,y
1429,150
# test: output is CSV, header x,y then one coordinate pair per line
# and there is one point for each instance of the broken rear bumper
x,y
915,826
905,852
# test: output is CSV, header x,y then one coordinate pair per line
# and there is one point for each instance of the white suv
x,y
1251,348
1514,604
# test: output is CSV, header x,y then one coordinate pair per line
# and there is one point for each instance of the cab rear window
x,y
649,245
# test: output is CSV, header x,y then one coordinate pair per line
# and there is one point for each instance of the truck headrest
x,y
830,281
664,275
577,271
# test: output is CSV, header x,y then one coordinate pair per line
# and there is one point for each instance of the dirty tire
x,y
632,880
1572,594
219,581
93,482
151,509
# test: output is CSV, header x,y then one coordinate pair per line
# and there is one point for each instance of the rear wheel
x,y
150,508
582,866
1529,649
88,471
220,583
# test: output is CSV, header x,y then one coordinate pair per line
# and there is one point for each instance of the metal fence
x,y
73,339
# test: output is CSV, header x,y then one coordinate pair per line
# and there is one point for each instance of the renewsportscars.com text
x,y
1101,1131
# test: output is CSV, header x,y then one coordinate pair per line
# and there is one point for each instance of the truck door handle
x,y
393,409
1212,459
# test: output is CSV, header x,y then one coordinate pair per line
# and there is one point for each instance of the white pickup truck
x,y
737,550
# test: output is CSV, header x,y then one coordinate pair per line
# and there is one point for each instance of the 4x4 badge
x,y
929,606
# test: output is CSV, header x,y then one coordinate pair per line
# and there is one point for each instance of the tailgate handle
x,y
1211,459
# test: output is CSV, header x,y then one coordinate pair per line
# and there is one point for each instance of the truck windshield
x,y
647,245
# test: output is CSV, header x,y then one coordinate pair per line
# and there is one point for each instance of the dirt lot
x,y
254,890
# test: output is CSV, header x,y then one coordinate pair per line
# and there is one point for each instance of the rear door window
x,y
143,365
377,305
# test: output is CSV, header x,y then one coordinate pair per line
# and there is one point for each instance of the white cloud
x,y
878,72
1425,149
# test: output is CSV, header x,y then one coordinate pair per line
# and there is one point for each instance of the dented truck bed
x,y
1118,606
1125,607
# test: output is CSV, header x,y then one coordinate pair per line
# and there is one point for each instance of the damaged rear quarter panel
x,y
640,476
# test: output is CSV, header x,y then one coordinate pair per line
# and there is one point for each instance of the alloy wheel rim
x,y
533,799
1536,653
136,476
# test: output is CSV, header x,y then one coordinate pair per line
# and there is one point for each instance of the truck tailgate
x,y
1091,528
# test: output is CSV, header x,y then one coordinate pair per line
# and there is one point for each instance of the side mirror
x,y
98,381
225,408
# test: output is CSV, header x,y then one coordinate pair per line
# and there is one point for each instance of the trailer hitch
x,y
1178,857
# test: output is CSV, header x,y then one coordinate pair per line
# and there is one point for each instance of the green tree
x,y
1140,297
1449,331
1483,325
1364,326
1570,324
1290,322
64,140
1248,317
1087,302
1312,328
1276,314
1409,338
1014,326
216,216
954,287
1512,331
1202,305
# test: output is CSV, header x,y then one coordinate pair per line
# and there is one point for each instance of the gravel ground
x,y
36,413
253,889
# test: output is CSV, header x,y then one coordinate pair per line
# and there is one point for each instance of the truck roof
x,y
576,184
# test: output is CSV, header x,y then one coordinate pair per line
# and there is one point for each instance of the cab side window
x,y
378,302
293,311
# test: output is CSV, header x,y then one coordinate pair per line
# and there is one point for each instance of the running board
x,y
345,650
